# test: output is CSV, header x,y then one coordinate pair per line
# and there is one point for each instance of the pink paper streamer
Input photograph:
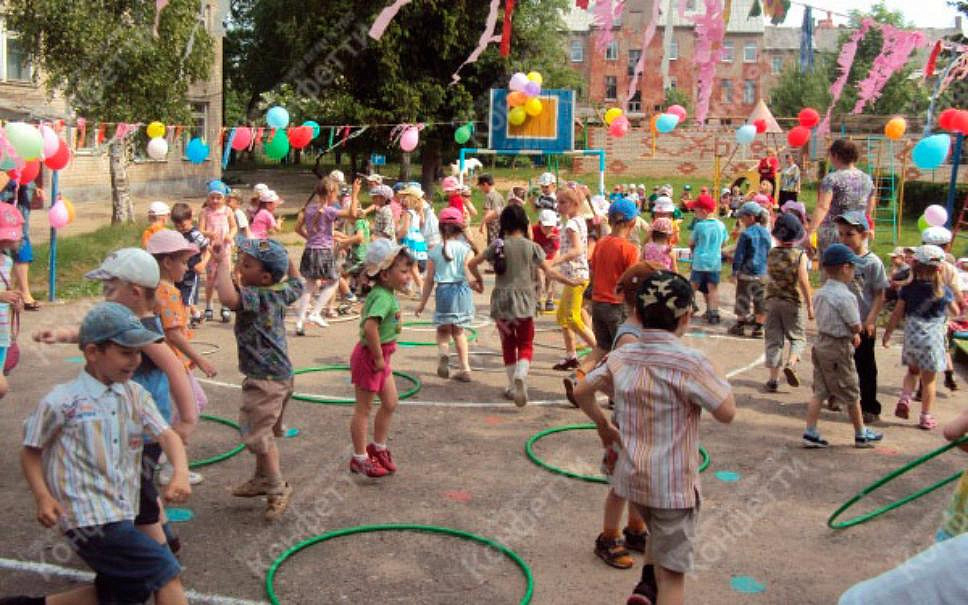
x,y
159,5
681,7
646,41
386,15
486,38
606,13
844,62
895,50
958,70
710,32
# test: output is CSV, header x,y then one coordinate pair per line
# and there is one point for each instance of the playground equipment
x,y
879,161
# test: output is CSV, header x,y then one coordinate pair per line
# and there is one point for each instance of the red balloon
x,y
798,136
760,125
808,117
60,159
26,174
300,136
243,136
959,122
945,118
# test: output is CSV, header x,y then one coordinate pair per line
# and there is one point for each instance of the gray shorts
x,y
834,372
606,318
672,536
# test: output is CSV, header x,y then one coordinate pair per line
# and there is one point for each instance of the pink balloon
x,y
57,216
51,142
532,89
619,127
678,110
243,137
936,215
410,138
518,81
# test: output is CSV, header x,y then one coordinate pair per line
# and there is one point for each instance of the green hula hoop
x,y
471,337
225,455
529,450
834,524
433,529
326,400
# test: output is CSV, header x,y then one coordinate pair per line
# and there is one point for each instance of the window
x,y
200,120
727,87
18,65
674,49
749,92
672,82
577,51
749,52
776,64
611,88
611,51
728,51
690,5
634,56
635,103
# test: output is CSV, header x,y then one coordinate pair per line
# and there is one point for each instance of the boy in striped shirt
x,y
659,387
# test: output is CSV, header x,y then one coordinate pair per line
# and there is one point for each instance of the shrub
x,y
918,195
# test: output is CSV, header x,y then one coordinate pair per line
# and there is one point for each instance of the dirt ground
x,y
461,464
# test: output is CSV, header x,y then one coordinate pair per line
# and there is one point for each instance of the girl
x,y
388,265
410,233
658,250
515,259
217,223
11,300
664,208
318,263
264,222
922,304
454,311
573,259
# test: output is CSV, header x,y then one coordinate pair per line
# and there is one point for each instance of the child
x,y
706,242
384,226
547,197
454,311
658,249
574,265
87,482
469,209
923,304
658,383
546,234
452,189
515,259
356,240
181,217
388,265
685,198
264,222
157,218
838,332
260,304
253,207
493,205
724,202
941,237
11,301
869,285
664,208
217,223
241,218
409,231
788,286
749,270
736,198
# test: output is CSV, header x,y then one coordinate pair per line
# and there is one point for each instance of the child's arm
x,y
404,224
233,226
53,336
575,251
803,282
472,265
49,510
301,225
893,321
552,273
469,205
177,339
354,200
726,410
227,293
371,330
607,431
870,322
473,277
428,287
206,256
181,389
178,489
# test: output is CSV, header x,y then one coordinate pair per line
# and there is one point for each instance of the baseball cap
x,y
113,322
270,253
451,215
725,190
855,218
380,255
936,236
788,228
703,202
338,176
929,255
547,218
375,178
663,292
546,178
158,209
399,185
663,204
384,191
838,254
450,183
11,223
750,208
624,209
897,251
411,190
132,265
662,225
168,241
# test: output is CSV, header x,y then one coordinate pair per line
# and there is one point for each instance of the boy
x,y
260,330
838,332
869,286
181,217
706,242
384,224
660,388
493,205
82,461
547,199
157,217
547,235
749,270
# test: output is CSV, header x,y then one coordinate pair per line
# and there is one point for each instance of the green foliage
x,y
675,96
918,195
795,90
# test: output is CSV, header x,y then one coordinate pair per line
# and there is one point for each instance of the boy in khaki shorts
x,y
260,305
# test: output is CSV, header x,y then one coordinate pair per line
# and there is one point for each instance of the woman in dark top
x,y
768,167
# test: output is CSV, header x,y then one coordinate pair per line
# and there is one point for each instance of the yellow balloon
x,y
535,77
895,127
70,209
517,116
813,239
155,130
611,114
533,106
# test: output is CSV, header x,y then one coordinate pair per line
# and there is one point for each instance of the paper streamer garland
x,y
646,40
506,28
486,38
710,31
385,17
844,63
897,47
607,12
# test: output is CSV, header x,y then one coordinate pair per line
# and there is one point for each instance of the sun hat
x,y
854,218
663,204
412,191
704,202
398,185
763,200
750,208
548,218
384,191
113,322
380,255
936,236
450,183
451,215
545,179
624,209
663,225
788,228
217,186
797,208
838,254
270,196
132,265
270,253
898,251
929,255
374,178
259,188
168,241
11,223
338,176
724,191
158,209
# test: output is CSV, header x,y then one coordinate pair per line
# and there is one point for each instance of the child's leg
x,y
928,390
856,417
712,298
607,545
388,404
4,387
82,595
509,346
361,420
306,297
635,521
672,585
460,340
612,519
813,413
774,340
524,339
326,292
909,382
268,464
571,351
172,593
443,350
867,374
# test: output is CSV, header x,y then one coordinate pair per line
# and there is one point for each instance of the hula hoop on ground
x,y
432,529
327,400
833,524
471,336
225,455
454,363
529,450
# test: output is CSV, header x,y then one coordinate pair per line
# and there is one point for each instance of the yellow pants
x,y
569,308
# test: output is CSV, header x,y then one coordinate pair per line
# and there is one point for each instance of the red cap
x,y
704,201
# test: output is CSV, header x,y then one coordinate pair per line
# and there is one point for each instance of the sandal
x,y
277,503
613,552
32,306
256,486
903,408
927,421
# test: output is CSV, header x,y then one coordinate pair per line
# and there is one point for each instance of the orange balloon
x,y
894,129
517,98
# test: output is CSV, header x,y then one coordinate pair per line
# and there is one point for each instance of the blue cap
x,y
399,185
113,322
623,208
750,208
218,186
855,218
270,253
838,254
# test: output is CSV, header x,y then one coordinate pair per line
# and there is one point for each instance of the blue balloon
x,y
746,134
931,152
277,117
196,151
666,122
314,126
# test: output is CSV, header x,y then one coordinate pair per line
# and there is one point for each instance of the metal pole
x,y
955,162
52,263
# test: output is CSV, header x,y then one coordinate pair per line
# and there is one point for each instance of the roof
x,y
781,38
579,20
762,112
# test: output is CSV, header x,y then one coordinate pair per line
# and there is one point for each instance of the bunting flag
x,y
582,4
101,131
486,38
932,60
897,47
710,32
844,63
646,41
775,10
385,17
806,41
506,28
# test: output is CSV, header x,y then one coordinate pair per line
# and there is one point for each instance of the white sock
x,y
304,304
324,296
380,446
360,457
521,370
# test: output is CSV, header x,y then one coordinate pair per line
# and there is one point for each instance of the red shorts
x,y
362,372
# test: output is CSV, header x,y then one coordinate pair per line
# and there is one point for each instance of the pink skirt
x,y
362,372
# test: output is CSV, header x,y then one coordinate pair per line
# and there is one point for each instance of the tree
x,y
795,90
105,58
674,96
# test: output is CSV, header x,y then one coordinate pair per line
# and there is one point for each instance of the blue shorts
x,y
130,566
25,253
702,280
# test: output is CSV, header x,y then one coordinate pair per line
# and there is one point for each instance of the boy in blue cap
x,y
706,241
749,270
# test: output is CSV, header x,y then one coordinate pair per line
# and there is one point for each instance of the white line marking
x,y
752,365
85,576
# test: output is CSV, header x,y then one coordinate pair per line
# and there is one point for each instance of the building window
x,y
749,52
577,51
635,103
611,88
727,86
674,49
728,51
200,120
776,64
690,5
18,67
749,92
672,82
611,51
634,56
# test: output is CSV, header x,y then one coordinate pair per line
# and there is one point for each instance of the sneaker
x,y
351,298
317,319
713,319
520,392
226,315
209,316
867,440
549,305
368,467
927,421
790,373
277,502
164,477
949,381
462,376
570,390
635,540
772,386
256,486
814,441
613,552
195,321
443,366
564,365
300,329
737,329
382,457
757,331
872,435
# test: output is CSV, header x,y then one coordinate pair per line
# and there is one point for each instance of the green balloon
x,y
923,223
462,134
277,147
26,140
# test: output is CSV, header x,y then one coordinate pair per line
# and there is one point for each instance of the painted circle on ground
x,y
746,585
326,400
179,515
727,476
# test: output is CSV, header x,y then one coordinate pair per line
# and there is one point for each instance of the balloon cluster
x,y
954,120
746,133
61,213
800,135
617,122
934,216
157,145
26,146
523,101
666,122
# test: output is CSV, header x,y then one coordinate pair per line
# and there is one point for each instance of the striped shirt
x,y
91,437
660,388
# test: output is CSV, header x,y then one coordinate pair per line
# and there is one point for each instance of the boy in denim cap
x,y
82,460
749,270
260,304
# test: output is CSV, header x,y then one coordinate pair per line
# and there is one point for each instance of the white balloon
x,y
51,143
157,148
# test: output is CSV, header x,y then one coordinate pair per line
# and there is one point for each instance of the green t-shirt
x,y
358,251
381,304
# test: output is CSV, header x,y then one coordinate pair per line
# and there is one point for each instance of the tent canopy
x,y
762,112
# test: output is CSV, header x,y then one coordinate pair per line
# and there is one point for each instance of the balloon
x,y
517,116
57,216
277,117
895,127
155,130
922,223
517,98
678,110
945,118
936,215
300,136
26,140
611,114
798,136
26,174
533,107
532,89
7,163
70,210
808,117
959,122
813,239
666,122
535,77
197,151
619,127
463,134
409,138
312,124
60,158
276,146
760,125
242,138
931,152
745,134
157,148
50,140
518,81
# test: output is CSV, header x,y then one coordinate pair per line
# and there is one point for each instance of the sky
x,y
923,13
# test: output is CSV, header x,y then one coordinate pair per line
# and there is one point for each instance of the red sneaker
x,y
369,467
382,457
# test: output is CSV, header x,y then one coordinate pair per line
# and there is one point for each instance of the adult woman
x,y
21,196
768,167
789,180
844,188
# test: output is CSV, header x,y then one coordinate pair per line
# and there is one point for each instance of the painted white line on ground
x,y
752,365
85,576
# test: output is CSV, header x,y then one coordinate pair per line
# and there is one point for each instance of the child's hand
x,y
378,364
418,310
870,329
886,340
49,511
178,490
207,368
610,435
477,286
810,312
48,337
14,298
855,340
200,266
